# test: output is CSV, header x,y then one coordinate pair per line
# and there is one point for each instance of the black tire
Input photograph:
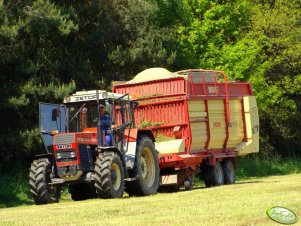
x,y
206,175
217,175
109,175
39,177
146,170
229,171
82,192
213,175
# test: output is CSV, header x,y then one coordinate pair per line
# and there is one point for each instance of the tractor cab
x,y
102,113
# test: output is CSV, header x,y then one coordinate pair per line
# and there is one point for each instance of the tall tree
x,y
276,28
50,47
208,27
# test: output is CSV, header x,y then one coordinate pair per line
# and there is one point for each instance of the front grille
x,y
64,139
65,155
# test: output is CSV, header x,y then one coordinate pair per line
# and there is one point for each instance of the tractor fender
x,y
134,135
147,132
48,156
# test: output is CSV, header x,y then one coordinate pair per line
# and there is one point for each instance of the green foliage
x,y
142,42
160,137
276,79
147,123
259,167
211,26
240,59
14,185
49,48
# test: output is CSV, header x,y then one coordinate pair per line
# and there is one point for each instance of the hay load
x,y
152,74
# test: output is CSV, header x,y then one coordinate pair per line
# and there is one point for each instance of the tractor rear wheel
x,y
82,191
39,178
146,169
109,175
229,171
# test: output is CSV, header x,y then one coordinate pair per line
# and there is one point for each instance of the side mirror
x,y
54,114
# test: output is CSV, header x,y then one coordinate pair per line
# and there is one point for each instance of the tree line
x,y
50,48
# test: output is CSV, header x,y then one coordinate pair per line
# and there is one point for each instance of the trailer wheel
x,y
109,175
206,175
229,171
39,179
212,175
82,192
217,175
146,169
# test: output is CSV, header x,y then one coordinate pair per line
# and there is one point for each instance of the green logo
x,y
282,215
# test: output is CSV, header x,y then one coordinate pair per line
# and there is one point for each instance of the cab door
x,y
125,121
53,119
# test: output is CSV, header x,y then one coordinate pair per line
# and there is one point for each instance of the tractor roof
x,y
82,96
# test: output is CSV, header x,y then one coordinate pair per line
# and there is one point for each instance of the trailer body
x,y
202,116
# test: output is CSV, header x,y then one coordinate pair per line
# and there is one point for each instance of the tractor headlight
x,y
72,154
66,155
58,155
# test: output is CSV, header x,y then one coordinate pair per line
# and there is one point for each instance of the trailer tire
x,y
229,171
217,175
81,192
206,175
212,175
39,177
109,175
146,170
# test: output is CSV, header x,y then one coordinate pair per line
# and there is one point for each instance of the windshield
x,y
82,117
86,115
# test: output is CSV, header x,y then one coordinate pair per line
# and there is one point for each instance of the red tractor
x,y
93,147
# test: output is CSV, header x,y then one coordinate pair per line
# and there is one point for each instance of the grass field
x,y
244,203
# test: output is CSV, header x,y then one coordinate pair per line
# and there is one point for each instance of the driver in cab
x,y
106,124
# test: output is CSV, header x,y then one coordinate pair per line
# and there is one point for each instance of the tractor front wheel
x,y
109,175
39,178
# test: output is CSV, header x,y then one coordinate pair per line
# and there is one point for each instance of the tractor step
x,y
57,181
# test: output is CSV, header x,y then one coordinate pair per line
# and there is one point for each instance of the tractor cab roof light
x,y
54,132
